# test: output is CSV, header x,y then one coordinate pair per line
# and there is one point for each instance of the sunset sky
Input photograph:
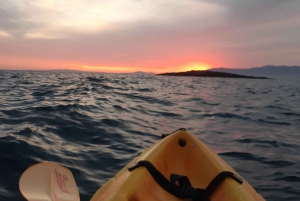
x,y
148,35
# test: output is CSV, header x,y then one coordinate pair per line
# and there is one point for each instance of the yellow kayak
x,y
178,167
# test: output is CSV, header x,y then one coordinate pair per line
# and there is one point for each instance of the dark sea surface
x,y
95,124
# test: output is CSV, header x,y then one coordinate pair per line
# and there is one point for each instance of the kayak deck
x,y
180,153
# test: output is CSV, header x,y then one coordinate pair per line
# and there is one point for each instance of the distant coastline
x,y
263,72
209,73
269,71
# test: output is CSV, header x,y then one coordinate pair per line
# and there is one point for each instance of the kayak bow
x,y
195,172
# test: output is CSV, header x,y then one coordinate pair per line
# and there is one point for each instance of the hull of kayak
x,y
180,153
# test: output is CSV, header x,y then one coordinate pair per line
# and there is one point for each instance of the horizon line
x,y
142,71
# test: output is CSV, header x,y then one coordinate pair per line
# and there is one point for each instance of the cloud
x,y
151,33
145,30
59,19
241,14
15,18
4,34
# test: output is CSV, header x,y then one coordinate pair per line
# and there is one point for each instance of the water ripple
x,y
94,124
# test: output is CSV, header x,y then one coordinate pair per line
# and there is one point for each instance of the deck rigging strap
x,y
185,190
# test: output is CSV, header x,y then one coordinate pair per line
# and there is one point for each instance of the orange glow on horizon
x,y
109,69
195,66
168,65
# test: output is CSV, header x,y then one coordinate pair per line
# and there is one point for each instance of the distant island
x,y
209,73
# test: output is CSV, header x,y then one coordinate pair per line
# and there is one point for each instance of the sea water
x,y
94,124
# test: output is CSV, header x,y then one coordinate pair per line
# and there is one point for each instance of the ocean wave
x,y
94,124
289,179
226,115
275,122
272,143
252,157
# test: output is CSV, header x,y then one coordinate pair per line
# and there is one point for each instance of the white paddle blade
x,y
48,182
